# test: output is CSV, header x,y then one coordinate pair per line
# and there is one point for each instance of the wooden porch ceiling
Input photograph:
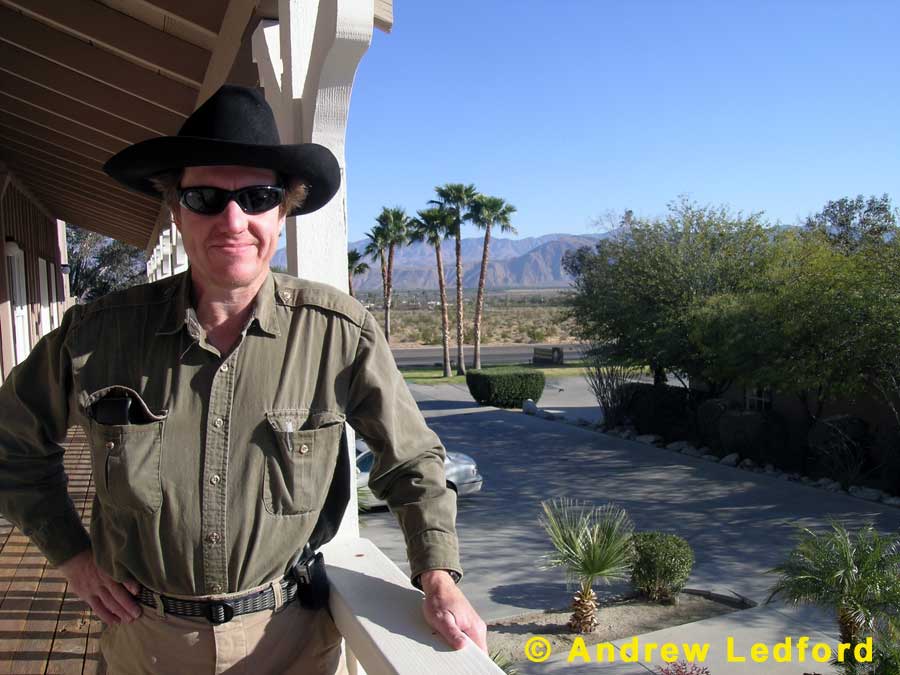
x,y
82,79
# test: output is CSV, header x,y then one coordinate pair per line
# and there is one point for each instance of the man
x,y
214,402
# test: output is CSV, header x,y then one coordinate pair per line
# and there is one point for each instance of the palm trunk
x,y
384,284
445,319
479,300
350,283
388,293
460,356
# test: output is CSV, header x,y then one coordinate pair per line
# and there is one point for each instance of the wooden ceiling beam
x,y
63,125
122,35
113,221
54,138
72,52
205,13
90,92
40,97
27,146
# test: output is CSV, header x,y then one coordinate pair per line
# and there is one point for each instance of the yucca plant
x,y
504,662
592,544
856,575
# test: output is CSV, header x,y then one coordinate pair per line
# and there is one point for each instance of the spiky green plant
x,y
856,575
592,544
504,662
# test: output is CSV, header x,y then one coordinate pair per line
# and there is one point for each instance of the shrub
x,y
663,563
708,415
607,382
683,668
761,436
660,410
505,388
840,445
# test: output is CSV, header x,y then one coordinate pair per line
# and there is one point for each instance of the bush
x,y
505,388
760,436
607,382
663,563
665,411
840,445
708,415
683,668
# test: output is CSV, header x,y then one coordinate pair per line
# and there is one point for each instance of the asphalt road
x,y
490,355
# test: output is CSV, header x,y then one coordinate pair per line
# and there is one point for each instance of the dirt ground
x,y
620,619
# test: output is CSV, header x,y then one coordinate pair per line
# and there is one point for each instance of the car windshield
x,y
364,462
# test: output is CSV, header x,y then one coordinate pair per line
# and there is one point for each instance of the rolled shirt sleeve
x,y
35,404
408,467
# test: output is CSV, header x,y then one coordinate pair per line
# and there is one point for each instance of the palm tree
x,y
486,212
433,226
457,197
855,575
592,544
355,267
377,250
393,223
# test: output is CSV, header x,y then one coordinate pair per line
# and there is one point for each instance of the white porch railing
x,y
379,613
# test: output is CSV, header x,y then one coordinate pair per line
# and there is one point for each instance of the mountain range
x,y
532,262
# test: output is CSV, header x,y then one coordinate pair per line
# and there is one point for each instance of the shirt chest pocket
x,y
126,457
300,466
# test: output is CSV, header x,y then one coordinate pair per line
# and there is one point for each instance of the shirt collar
x,y
181,312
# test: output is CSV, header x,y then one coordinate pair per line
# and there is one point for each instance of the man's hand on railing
x,y
448,611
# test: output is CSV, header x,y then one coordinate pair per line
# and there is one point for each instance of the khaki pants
x,y
289,641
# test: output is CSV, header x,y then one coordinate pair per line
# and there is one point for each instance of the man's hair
x,y
295,192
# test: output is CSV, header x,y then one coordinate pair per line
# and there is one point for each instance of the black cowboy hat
x,y
234,126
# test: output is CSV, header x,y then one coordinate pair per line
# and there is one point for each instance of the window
x,y
758,398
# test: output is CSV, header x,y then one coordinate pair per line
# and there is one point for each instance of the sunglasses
x,y
253,199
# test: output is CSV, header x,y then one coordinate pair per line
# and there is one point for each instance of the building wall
x,y
26,223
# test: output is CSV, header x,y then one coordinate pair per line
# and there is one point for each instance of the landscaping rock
x,y
582,422
892,501
529,407
679,446
695,452
628,435
769,468
548,415
730,460
650,439
710,458
785,476
747,464
869,494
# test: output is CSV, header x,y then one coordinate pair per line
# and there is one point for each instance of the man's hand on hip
x,y
448,611
111,601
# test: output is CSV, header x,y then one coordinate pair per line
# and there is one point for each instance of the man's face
x,y
231,249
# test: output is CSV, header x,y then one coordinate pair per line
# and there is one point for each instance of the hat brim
x,y
312,164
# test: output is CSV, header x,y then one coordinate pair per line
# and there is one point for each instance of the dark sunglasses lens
x,y
259,199
205,199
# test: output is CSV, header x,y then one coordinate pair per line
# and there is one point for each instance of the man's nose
x,y
233,217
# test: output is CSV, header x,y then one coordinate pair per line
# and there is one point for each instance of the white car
x,y
460,469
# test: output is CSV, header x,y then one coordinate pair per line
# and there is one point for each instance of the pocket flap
x,y
300,419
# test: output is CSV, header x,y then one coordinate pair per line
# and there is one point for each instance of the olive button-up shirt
x,y
216,477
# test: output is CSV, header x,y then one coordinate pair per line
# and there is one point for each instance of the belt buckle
x,y
218,612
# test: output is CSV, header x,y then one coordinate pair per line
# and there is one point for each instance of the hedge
x,y
505,388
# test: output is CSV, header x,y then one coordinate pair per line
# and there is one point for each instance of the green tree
x,y
392,226
633,292
355,267
591,544
485,213
433,226
99,265
457,198
855,575
851,224
377,249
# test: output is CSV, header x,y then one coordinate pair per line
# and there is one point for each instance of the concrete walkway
x,y
740,524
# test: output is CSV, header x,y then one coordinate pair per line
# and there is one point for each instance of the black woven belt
x,y
222,611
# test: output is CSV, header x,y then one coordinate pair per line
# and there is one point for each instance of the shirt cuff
x,y
60,537
434,550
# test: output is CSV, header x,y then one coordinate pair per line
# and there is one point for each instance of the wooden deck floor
x,y
43,627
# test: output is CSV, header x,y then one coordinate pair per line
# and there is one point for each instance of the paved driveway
x,y
739,523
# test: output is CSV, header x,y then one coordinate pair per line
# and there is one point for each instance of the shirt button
x,y
219,422
213,538
304,449
215,588
110,445
215,479
286,296
224,368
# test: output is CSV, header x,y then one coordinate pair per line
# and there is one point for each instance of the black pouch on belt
x,y
312,582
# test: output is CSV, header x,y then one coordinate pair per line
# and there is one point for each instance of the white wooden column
x,y
307,61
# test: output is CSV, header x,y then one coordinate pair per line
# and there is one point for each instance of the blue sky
x,y
569,109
